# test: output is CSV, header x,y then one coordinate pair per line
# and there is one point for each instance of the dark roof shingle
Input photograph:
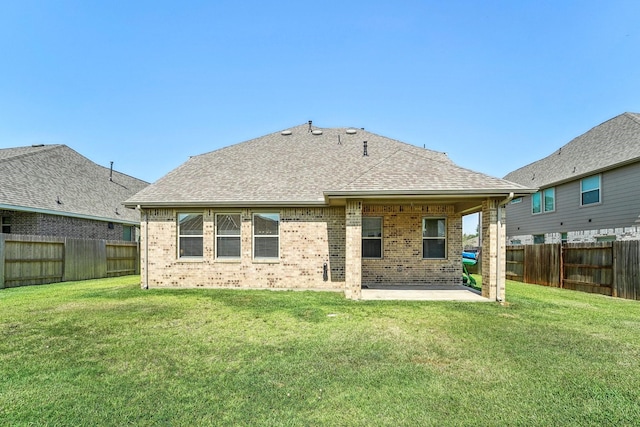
x,y
610,144
303,166
56,179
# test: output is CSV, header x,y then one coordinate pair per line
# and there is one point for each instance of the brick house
x,y
317,208
51,190
589,189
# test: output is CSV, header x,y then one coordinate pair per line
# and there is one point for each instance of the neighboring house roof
x,y
55,179
611,144
308,165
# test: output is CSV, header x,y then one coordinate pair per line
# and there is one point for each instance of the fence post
x,y
137,271
561,283
2,237
614,260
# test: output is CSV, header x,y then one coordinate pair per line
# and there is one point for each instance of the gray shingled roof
x,y
37,178
611,144
304,167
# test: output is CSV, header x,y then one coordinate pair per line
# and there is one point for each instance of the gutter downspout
x,y
498,240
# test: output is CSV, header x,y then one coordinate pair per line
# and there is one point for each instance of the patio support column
x,y
493,250
353,249
143,249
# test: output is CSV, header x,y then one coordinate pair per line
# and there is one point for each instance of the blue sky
x,y
146,84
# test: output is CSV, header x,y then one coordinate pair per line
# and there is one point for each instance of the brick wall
x,y
22,222
309,238
30,223
402,261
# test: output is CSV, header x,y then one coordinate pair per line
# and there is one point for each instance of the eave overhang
x,y
590,173
429,194
337,197
223,204
68,214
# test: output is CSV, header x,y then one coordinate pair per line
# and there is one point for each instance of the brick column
x,y
493,250
143,245
353,249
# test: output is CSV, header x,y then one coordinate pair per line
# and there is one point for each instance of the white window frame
x,y
373,237
542,195
435,237
533,198
131,233
551,190
599,189
6,224
270,236
189,236
217,235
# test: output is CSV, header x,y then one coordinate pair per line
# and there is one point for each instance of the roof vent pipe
x,y
310,122
111,173
364,143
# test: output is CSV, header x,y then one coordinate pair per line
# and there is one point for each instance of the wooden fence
x,y
608,268
35,260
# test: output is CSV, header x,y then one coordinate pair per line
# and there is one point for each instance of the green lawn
x,y
105,352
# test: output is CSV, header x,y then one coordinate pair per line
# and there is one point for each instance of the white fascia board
x,y
225,204
454,194
69,214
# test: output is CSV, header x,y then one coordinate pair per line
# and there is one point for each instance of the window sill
x,y
189,260
266,260
228,260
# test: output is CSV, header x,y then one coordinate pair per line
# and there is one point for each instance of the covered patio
x,y
441,279
422,293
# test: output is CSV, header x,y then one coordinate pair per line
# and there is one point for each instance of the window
x,y
266,235
563,238
590,190
228,236
536,206
538,239
434,238
549,195
371,237
126,233
189,235
543,201
516,200
6,224
516,242
606,239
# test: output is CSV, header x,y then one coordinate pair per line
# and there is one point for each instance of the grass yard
x,y
105,352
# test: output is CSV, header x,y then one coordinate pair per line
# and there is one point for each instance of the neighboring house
x,y
51,190
313,208
589,189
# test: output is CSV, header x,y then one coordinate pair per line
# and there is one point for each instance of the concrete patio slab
x,y
422,293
